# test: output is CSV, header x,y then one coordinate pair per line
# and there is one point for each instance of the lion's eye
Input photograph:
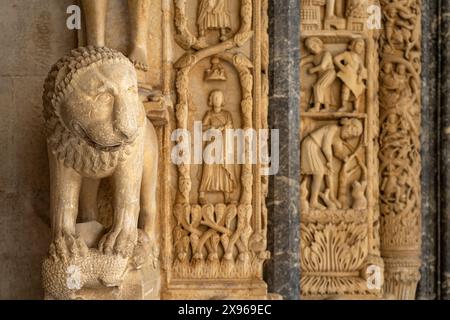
x,y
103,97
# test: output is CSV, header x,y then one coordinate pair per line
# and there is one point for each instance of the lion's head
x,y
92,109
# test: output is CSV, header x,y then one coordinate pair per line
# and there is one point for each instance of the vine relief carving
x,y
400,163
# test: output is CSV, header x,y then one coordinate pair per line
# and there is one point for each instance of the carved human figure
x,y
323,66
401,27
402,80
389,84
318,151
96,13
97,128
217,176
352,73
214,15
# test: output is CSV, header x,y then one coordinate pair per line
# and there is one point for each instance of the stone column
x,y
428,288
283,271
444,149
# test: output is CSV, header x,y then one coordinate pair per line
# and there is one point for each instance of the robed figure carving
x,y
214,15
323,67
217,175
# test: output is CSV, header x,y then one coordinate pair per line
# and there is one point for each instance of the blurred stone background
x,y
33,36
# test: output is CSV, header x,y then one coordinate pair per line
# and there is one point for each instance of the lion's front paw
x,y
67,245
119,241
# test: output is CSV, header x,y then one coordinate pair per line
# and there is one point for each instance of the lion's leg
x,y
126,180
65,184
88,199
148,214
95,15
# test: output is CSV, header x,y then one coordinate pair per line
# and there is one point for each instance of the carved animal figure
x,y
97,128
358,195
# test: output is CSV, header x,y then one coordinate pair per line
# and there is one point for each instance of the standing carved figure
x,y
214,15
352,73
95,12
217,176
324,67
318,150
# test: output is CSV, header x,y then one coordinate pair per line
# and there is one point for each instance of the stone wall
x,y
33,36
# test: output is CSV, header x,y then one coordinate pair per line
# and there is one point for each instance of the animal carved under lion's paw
x,y
64,278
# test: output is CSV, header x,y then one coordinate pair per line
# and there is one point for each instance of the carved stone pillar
x,y
340,252
217,244
400,162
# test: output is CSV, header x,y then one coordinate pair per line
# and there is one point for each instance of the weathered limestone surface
x,y
34,36
339,186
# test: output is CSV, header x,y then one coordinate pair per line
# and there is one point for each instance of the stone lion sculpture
x,y
97,128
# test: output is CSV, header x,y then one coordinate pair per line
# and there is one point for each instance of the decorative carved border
x,y
250,218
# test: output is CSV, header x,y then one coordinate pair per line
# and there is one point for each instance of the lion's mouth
x,y
89,140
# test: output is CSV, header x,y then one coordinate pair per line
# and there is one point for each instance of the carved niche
x,y
219,215
196,63
340,248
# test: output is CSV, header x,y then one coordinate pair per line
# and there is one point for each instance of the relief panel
x,y
339,185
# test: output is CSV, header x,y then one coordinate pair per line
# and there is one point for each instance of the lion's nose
x,y
125,119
